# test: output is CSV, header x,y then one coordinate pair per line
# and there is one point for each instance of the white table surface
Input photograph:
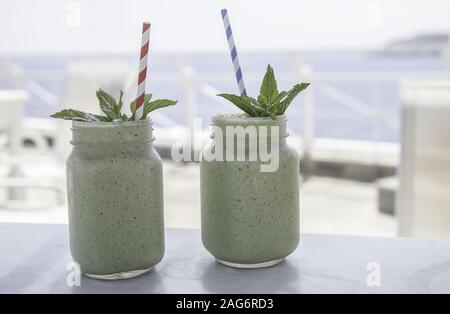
x,y
34,259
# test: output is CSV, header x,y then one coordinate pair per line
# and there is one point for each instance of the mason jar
x,y
249,205
115,198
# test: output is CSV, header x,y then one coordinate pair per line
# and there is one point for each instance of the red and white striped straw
x,y
142,71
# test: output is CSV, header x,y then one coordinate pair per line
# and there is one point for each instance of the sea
x,y
332,118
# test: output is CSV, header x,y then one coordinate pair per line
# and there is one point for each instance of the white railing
x,y
203,83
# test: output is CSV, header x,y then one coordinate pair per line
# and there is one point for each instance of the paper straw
x,y
142,71
233,52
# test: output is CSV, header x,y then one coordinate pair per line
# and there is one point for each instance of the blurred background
x,y
373,129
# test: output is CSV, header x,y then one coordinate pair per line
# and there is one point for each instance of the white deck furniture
x,y
424,198
14,156
12,107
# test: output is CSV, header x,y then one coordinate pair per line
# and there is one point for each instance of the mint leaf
x,y
279,97
147,98
160,103
113,109
150,106
290,96
241,102
276,105
262,101
108,104
71,114
255,106
269,86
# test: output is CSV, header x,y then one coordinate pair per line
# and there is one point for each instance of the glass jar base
x,y
122,275
257,265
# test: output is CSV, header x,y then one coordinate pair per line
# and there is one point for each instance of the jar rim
x,y
102,124
243,118
112,132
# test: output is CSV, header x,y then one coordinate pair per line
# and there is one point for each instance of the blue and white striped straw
x,y
233,52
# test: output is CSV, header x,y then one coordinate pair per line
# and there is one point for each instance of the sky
x,y
180,26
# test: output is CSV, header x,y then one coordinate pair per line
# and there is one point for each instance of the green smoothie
x,y
250,218
115,195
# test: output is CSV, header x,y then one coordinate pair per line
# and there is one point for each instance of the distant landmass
x,y
419,44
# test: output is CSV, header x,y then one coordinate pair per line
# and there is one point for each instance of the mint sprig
x,y
71,114
270,102
112,109
149,106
